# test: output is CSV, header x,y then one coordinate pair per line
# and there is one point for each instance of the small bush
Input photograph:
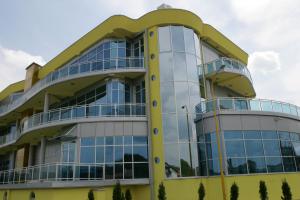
x,y
201,192
162,192
128,195
286,191
234,192
91,195
117,193
263,192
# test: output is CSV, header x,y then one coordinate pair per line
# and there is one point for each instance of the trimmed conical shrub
x,y
91,195
234,192
263,192
162,192
128,195
201,192
117,193
286,191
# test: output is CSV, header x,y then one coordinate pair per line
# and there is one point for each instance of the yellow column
x,y
155,111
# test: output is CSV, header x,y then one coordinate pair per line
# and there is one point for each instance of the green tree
x,y
263,192
286,191
122,196
162,192
117,193
201,192
91,195
128,195
234,192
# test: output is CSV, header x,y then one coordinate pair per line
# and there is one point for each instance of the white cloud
x,y
13,64
264,62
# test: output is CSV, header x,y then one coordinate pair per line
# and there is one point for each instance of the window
x,y
111,154
180,87
237,166
264,151
68,152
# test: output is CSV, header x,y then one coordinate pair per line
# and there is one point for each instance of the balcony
x,y
82,112
118,65
244,104
229,73
74,114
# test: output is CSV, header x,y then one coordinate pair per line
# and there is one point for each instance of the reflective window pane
x,y
289,164
256,165
109,154
140,154
164,38
180,68
254,148
213,167
139,140
212,150
286,148
100,154
87,155
185,160
189,40
237,166
172,167
170,128
235,148
177,38
232,135
272,148
166,66
141,170
274,164
269,134
252,134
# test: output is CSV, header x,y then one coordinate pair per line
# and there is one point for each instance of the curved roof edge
x,y
120,25
123,26
15,87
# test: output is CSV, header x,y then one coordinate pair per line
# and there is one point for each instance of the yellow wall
x,y
15,87
104,193
180,189
248,187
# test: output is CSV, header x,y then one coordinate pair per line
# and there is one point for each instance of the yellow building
x,y
164,98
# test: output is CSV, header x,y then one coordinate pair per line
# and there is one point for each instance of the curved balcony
x,y
118,65
244,104
72,115
229,73
57,172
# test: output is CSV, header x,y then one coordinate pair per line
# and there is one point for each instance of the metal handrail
x,y
53,172
228,63
75,112
247,104
73,71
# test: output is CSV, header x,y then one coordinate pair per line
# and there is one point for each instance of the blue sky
x,y
37,30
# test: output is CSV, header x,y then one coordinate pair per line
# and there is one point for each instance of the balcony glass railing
x,y
73,71
54,172
242,104
226,64
84,111
4,139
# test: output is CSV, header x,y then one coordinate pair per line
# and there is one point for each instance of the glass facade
x,y
179,57
109,54
114,91
120,157
249,152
